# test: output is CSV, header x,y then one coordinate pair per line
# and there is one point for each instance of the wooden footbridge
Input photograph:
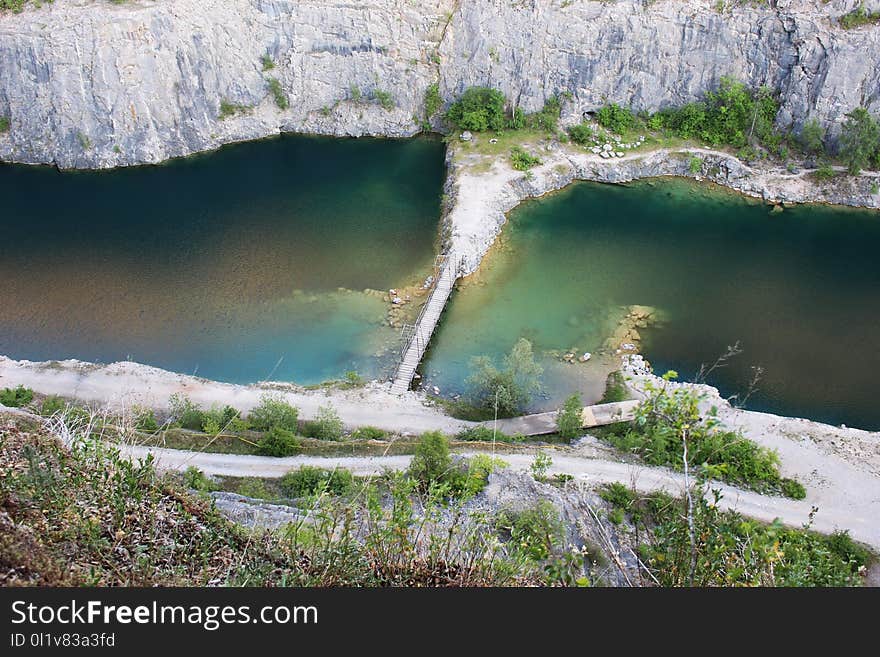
x,y
415,337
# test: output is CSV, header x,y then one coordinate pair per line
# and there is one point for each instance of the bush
x,y
278,94
185,413
267,62
581,133
431,462
825,171
670,415
368,433
145,419
522,160
433,101
695,165
228,109
858,17
219,419
478,109
812,137
793,489
540,466
16,397
326,426
479,467
274,412
616,118
547,118
197,480
278,442
385,99
533,532
309,480
569,420
252,487
4,124
51,405
615,388
510,387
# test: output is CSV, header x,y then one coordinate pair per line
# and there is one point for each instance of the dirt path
x,y
859,520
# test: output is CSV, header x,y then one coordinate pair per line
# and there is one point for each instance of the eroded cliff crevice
x,y
90,84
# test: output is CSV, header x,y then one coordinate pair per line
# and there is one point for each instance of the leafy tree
x,y
431,461
433,101
327,424
508,389
859,140
273,412
616,118
581,133
186,413
812,137
479,109
278,442
569,423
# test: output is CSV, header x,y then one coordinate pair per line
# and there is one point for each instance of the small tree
x,y
860,140
327,424
431,461
569,420
812,138
273,411
478,109
278,442
540,466
508,389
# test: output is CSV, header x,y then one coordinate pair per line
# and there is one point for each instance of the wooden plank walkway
x,y
592,416
425,324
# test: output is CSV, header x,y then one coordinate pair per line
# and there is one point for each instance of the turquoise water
x,y
799,290
227,264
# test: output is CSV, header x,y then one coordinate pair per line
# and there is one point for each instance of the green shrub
x,y
479,467
385,99
522,160
228,109
273,412
185,413
431,462
252,487
433,101
858,17
695,165
569,420
812,137
615,388
219,419
670,415
368,433
540,466
478,109
16,397
278,94
354,93
327,425
197,480
792,488
547,118
51,405
352,379
533,532
875,188
309,480
4,124
581,133
278,442
616,118
267,62
485,434
145,419
825,171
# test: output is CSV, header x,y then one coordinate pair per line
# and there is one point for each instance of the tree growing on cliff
x,y
509,388
812,138
860,141
479,109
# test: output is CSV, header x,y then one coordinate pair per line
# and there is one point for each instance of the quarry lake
x,y
255,262
227,264
798,289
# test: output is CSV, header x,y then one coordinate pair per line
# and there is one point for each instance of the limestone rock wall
x,y
86,83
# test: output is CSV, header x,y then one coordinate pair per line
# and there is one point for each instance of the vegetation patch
x,y
506,390
522,160
278,94
858,17
569,420
309,480
4,124
669,422
228,109
16,397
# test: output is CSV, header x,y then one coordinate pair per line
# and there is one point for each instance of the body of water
x,y
240,265
799,290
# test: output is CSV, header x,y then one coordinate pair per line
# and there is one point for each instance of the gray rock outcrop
x,y
90,84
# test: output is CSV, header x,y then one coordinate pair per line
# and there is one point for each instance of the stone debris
x,y
466,135
585,357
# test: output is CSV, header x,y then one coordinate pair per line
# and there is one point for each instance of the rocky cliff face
x,y
90,84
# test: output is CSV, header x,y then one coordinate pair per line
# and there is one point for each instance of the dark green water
x,y
221,264
800,291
